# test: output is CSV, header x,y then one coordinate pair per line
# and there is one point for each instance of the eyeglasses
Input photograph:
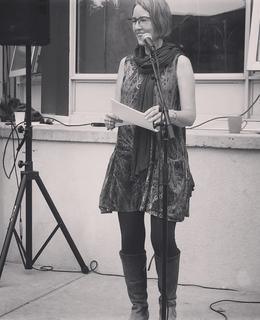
x,y
141,20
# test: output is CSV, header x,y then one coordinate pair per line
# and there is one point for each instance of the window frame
x,y
244,77
104,77
252,63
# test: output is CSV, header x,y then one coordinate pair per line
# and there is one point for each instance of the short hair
x,y
160,14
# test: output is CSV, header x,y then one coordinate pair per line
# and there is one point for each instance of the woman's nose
x,y
137,25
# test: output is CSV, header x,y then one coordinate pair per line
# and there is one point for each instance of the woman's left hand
x,y
153,114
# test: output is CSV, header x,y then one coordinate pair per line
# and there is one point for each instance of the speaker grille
x,y
24,22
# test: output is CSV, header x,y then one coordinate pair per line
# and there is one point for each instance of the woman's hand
x,y
111,120
153,114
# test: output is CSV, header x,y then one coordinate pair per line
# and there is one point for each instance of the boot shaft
x,y
172,274
134,268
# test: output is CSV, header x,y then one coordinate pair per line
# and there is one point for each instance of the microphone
x,y
98,124
148,41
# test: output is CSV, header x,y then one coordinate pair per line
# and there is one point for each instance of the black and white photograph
x,y
130,159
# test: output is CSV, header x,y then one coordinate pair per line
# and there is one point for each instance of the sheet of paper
x,y
131,116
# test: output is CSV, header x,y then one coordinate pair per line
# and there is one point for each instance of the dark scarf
x,y
143,137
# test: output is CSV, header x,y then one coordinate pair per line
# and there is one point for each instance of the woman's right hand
x,y
111,120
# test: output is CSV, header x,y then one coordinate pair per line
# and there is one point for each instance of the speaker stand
x,y
25,187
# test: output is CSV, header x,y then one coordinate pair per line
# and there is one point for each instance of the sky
x,y
198,7
204,7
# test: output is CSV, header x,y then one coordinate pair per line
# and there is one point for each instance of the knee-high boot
x,y
134,267
171,285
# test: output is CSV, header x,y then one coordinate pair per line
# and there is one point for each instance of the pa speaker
x,y
24,22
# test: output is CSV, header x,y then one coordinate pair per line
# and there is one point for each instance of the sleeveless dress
x,y
124,191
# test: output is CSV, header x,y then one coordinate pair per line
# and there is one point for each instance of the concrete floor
x,y
32,294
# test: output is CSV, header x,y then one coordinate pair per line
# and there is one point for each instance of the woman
x,y
132,184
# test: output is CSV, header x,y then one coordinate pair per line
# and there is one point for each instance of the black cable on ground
x,y
94,265
222,312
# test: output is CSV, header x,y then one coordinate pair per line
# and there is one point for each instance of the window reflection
x,y
214,43
212,36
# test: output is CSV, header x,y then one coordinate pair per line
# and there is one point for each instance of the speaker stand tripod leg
x,y
61,224
28,226
26,184
11,226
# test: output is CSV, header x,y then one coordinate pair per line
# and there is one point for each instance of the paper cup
x,y
19,116
234,124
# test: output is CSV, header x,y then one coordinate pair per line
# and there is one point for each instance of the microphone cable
x,y
226,117
15,153
222,311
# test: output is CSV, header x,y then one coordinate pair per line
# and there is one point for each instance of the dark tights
x,y
133,234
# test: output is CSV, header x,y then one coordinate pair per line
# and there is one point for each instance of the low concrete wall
x,y
220,242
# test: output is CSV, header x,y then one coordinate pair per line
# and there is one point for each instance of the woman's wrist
x,y
173,115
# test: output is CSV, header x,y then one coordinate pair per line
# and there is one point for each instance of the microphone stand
x,y
166,133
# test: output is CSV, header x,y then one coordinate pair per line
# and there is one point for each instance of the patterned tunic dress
x,y
124,191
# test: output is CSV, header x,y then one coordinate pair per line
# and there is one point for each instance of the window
x,y
17,67
254,39
212,36
214,42
51,61
55,62
104,36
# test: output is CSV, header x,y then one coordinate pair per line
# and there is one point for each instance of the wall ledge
x,y
223,139
195,138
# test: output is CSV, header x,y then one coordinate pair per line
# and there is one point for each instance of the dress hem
x,y
152,213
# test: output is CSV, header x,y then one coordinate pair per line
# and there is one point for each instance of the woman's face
x,y
142,24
